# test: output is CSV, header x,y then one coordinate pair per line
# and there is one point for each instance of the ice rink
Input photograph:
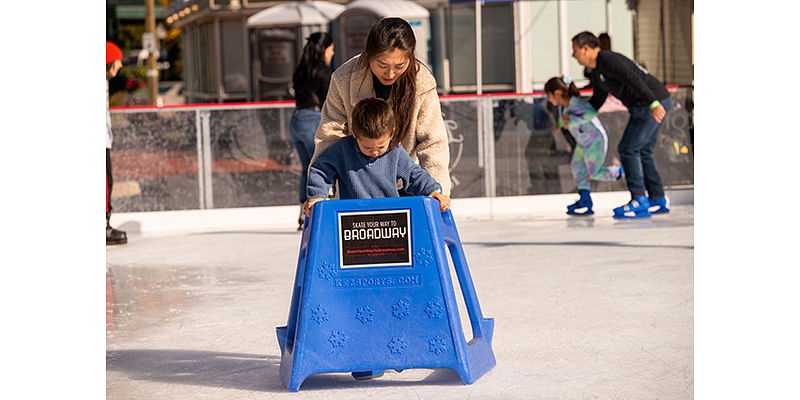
x,y
584,308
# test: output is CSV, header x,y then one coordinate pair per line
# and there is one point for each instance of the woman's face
x,y
390,65
115,69
328,55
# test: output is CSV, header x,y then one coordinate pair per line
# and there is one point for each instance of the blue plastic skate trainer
x,y
373,291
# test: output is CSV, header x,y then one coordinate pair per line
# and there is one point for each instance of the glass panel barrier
x,y
254,162
531,159
154,161
223,156
466,162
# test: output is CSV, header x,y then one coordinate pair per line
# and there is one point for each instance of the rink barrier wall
x,y
240,155
285,217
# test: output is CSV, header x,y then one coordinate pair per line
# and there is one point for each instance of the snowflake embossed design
x,y
319,314
337,339
326,271
437,345
400,309
434,308
397,345
423,257
365,314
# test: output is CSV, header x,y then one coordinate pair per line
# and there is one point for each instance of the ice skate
x,y
658,206
636,208
366,375
584,204
114,237
300,218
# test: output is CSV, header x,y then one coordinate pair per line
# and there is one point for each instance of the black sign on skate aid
x,y
373,291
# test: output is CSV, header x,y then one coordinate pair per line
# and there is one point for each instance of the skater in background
x,y
648,102
113,65
591,141
368,164
388,69
310,80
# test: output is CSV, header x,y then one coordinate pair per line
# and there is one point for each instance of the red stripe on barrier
x,y
201,105
288,102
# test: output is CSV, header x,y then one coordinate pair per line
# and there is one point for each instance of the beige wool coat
x,y
427,142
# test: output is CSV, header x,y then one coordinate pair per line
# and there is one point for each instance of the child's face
x,y
555,97
373,147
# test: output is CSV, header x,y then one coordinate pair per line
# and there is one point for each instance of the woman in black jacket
x,y
310,80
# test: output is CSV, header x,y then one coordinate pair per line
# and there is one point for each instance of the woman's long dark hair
x,y
312,63
391,34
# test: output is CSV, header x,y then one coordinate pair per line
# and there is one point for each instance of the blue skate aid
x,y
636,208
373,291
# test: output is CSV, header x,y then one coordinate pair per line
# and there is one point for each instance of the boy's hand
x,y
444,201
308,204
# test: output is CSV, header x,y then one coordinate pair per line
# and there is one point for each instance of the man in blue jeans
x,y
648,102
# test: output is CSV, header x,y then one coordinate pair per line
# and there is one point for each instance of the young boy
x,y
365,166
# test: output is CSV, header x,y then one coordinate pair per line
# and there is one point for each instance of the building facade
x,y
523,43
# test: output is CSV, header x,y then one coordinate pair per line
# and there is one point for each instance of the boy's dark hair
x,y
586,38
373,118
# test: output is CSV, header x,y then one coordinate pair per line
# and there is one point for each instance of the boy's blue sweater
x,y
362,177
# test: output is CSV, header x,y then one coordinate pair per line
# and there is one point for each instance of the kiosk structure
x,y
373,291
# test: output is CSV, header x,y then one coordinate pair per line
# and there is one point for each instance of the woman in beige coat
x,y
389,70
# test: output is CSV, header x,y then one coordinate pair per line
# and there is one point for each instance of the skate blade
x,y
575,213
634,216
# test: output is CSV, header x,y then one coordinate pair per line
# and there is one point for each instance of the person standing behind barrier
x,y
368,164
388,69
310,80
580,118
648,103
113,65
